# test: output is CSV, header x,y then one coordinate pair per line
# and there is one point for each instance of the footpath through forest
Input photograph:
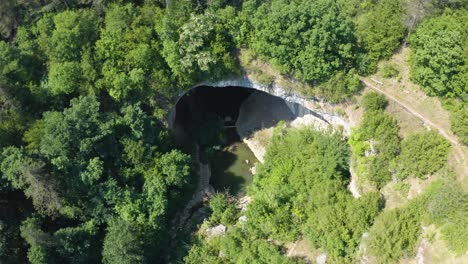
x,y
460,151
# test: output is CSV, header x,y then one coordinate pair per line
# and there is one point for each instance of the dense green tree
x,y
439,55
39,241
131,61
78,244
223,210
24,173
305,46
123,244
381,28
64,78
459,123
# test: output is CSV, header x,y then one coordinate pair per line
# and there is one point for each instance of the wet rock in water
x,y
247,161
218,230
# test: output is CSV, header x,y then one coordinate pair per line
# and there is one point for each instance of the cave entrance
x,y
213,117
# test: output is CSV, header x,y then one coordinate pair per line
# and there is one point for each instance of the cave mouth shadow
x,y
214,116
205,102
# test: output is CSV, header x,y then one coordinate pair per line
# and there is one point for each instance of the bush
x,y
459,124
447,208
223,209
422,154
374,101
389,70
395,233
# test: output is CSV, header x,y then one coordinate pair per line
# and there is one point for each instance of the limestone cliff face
x,y
296,102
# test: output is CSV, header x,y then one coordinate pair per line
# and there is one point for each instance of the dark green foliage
x,y
439,54
341,86
92,173
422,154
40,243
123,244
305,46
374,101
381,28
78,245
395,233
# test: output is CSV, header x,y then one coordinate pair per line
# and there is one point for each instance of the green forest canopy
x,y
87,163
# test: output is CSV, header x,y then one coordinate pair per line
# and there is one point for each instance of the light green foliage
x,y
439,57
374,101
223,209
375,143
422,154
299,190
131,62
458,109
123,244
395,233
64,78
459,123
64,38
447,208
238,246
198,47
338,227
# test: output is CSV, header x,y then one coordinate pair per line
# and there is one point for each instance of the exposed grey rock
x,y
218,230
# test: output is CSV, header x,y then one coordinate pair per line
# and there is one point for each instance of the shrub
x,y
395,233
389,70
447,208
374,101
422,154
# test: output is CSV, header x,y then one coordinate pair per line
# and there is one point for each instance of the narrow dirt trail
x,y
460,153
408,108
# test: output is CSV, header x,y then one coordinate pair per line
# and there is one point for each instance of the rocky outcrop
x,y
218,230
